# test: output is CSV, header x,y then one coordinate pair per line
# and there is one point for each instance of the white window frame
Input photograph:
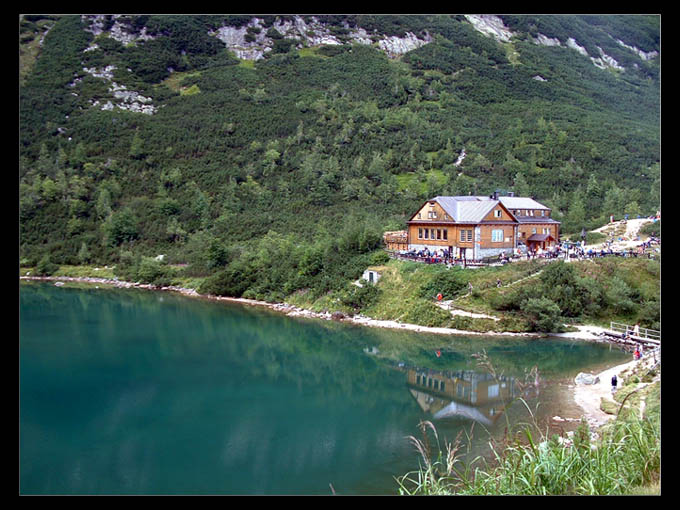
x,y
497,235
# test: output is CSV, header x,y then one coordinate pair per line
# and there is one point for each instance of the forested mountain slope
x,y
285,146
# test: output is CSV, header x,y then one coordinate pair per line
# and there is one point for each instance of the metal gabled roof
x,y
467,209
474,208
521,203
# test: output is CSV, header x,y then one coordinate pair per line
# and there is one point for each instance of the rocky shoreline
x,y
287,309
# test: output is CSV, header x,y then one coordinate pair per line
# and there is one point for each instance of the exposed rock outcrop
x,y
251,42
493,26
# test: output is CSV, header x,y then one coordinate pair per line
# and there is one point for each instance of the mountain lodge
x,y
476,227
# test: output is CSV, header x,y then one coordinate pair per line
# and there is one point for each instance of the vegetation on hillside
x,y
279,176
536,296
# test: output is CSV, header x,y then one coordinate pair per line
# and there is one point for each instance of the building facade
x,y
476,227
536,229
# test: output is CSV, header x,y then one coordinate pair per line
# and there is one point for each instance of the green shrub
x,y
379,257
511,300
652,229
232,281
46,267
450,283
543,314
595,237
154,272
148,270
359,298
619,296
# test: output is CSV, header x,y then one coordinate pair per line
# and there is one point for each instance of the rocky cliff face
x,y
253,41
249,42
307,33
493,26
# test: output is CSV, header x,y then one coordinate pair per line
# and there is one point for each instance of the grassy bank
x,y
526,296
522,296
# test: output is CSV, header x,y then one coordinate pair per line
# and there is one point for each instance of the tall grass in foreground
x,y
625,459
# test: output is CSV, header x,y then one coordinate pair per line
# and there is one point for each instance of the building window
x,y
493,391
497,236
439,234
427,233
433,234
466,236
420,233
497,213
533,230
446,234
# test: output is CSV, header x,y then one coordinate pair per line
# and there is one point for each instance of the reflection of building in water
x,y
477,396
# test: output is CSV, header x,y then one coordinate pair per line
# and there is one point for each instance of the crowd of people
x,y
563,250
442,256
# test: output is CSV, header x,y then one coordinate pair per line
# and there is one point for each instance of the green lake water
x,y
140,392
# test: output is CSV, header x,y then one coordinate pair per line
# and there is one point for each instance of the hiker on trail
x,y
636,354
636,330
614,382
498,283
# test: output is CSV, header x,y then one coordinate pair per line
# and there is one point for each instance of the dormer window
x,y
497,213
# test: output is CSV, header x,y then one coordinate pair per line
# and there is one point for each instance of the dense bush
x,y
652,229
232,281
626,289
359,298
147,270
45,267
544,314
449,283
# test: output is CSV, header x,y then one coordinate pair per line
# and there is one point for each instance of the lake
x,y
142,392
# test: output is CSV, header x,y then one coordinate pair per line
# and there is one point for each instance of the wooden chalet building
x,y
536,228
476,227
